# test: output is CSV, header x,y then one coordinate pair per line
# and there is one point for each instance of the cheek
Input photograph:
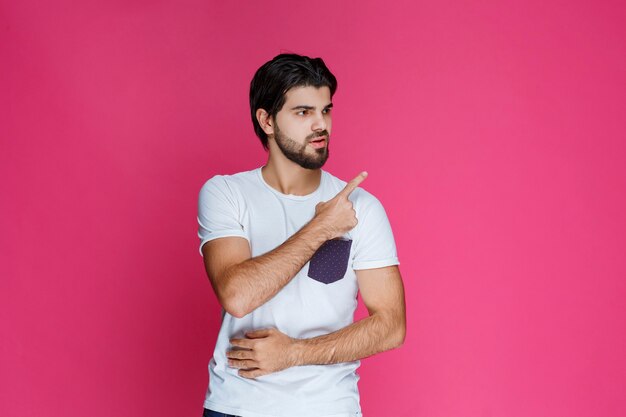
x,y
293,128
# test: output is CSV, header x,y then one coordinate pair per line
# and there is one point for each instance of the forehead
x,y
307,96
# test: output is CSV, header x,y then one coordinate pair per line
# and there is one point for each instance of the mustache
x,y
319,136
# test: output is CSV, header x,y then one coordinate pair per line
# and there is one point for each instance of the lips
x,y
318,143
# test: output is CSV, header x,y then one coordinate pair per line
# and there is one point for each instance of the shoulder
x,y
228,183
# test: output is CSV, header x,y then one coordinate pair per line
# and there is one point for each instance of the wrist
x,y
319,231
297,352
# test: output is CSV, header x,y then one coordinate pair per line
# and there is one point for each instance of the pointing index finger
x,y
351,186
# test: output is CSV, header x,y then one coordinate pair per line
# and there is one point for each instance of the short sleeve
x,y
375,246
217,212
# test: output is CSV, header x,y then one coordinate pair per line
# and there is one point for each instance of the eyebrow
x,y
328,106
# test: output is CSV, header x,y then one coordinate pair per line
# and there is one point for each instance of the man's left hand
x,y
262,352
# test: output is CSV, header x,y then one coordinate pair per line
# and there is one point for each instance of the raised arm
x,y
242,283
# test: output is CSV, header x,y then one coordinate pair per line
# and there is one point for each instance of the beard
x,y
297,153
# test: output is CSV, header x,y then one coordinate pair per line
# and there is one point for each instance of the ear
x,y
266,122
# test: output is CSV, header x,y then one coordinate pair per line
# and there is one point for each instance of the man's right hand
x,y
337,216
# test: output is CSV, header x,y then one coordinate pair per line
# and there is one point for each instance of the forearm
x,y
366,337
252,283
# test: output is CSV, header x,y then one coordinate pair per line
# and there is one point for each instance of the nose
x,y
319,123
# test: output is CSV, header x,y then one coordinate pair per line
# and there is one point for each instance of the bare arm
x,y
385,327
243,283
269,350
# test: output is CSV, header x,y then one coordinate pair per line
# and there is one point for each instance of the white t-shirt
x,y
320,299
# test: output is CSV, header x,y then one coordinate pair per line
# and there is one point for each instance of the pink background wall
x,y
493,133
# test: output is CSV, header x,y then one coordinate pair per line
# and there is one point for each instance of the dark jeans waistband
x,y
211,413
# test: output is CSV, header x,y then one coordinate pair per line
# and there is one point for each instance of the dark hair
x,y
285,71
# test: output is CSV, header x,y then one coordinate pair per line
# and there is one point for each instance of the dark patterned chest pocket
x,y
330,262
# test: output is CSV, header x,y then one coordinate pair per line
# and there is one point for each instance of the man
x,y
287,246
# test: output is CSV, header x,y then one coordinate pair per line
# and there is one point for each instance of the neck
x,y
288,177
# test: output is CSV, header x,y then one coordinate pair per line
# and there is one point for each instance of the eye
x,y
301,111
327,110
